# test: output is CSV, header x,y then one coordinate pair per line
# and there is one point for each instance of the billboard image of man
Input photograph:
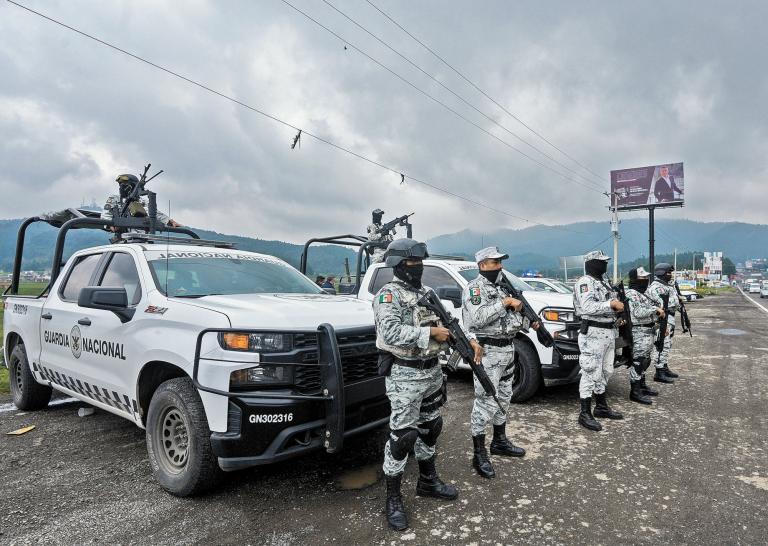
x,y
664,187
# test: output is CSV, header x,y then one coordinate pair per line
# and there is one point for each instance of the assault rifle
x,y
459,342
401,221
663,322
683,313
542,334
625,325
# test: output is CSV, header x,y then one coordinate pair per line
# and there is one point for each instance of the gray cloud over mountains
x,y
614,84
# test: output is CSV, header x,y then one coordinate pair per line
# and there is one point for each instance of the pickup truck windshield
x,y
471,273
198,277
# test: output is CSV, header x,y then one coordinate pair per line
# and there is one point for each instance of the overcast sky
x,y
613,84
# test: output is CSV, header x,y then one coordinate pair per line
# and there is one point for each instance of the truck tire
x,y
527,381
179,440
28,394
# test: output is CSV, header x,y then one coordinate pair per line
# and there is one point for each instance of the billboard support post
x,y
615,230
651,259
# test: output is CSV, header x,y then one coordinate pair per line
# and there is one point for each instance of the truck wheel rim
x,y
174,439
18,377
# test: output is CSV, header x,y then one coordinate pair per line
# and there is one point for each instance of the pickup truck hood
x,y
539,299
290,311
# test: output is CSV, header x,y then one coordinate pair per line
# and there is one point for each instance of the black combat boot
x,y
602,409
636,393
648,391
669,372
395,509
430,484
585,417
480,460
500,445
661,376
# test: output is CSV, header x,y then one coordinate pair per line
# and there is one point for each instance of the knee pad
x,y
401,442
429,431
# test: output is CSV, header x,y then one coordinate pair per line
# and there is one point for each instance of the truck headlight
x,y
557,315
257,343
260,375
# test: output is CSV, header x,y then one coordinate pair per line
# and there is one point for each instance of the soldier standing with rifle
x,y
384,233
595,302
644,313
493,318
410,338
663,285
137,208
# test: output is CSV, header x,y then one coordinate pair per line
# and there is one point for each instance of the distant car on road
x,y
689,295
764,291
753,288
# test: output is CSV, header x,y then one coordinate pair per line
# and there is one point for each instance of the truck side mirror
x,y
450,293
108,299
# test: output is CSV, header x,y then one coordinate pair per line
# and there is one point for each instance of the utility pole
x,y
615,230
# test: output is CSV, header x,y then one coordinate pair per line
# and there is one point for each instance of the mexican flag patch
x,y
385,298
584,288
474,292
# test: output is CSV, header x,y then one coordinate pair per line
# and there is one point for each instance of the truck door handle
x,y
84,321
46,316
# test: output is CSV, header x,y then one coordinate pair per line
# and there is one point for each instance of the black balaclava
x,y
492,275
596,268
125,190
637,283
409,274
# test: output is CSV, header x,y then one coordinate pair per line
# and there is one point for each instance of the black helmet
x,y
127,179
402,249
663,269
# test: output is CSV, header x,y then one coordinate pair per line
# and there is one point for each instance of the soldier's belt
x,y
494,341
596,324
418,364
647,325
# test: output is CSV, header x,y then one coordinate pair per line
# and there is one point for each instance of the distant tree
x,y
729,268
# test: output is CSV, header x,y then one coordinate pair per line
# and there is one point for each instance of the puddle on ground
x,y
358,478
731,332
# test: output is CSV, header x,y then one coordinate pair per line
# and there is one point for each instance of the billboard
x,y
654,186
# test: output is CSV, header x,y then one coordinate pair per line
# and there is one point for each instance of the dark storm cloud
x,y
615,85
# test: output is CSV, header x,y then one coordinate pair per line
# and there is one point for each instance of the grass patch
x,y
706,291
26,289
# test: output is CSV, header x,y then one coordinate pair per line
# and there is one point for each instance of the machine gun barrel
x,y
402,220
542,334
460,343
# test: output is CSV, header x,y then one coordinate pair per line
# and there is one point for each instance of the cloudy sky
x,y
613,84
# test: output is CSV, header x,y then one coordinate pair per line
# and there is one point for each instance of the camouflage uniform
x,y
591,300
114,201
403,330
643,313
654,292
375,235
485,316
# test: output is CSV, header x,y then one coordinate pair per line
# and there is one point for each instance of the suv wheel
x,y
28,394
527,380
179,440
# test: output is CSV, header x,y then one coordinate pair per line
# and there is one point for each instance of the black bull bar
x,y
331,378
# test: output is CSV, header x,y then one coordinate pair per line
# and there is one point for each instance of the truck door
x,y
108,345
60,332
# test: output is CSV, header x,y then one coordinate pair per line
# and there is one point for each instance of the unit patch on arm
x,y
583,288
474,294
385,298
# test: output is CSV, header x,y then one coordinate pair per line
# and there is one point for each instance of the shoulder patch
x,y
583,288
385,298
474,292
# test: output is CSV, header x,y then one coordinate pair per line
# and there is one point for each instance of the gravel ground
x,y
692,468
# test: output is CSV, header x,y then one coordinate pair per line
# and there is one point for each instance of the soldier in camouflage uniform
x,y
410,339
664,285
374,234
137,208
644,313
493,319
595,303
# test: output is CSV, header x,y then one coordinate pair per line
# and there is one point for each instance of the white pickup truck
x,y
229,359
448,276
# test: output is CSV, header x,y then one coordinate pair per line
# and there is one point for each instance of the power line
x,y
434,99
462,99
486,95
278,120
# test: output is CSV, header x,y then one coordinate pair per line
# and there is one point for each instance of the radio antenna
x,y
167,246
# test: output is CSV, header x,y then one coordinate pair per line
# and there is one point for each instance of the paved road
x,y
692,468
